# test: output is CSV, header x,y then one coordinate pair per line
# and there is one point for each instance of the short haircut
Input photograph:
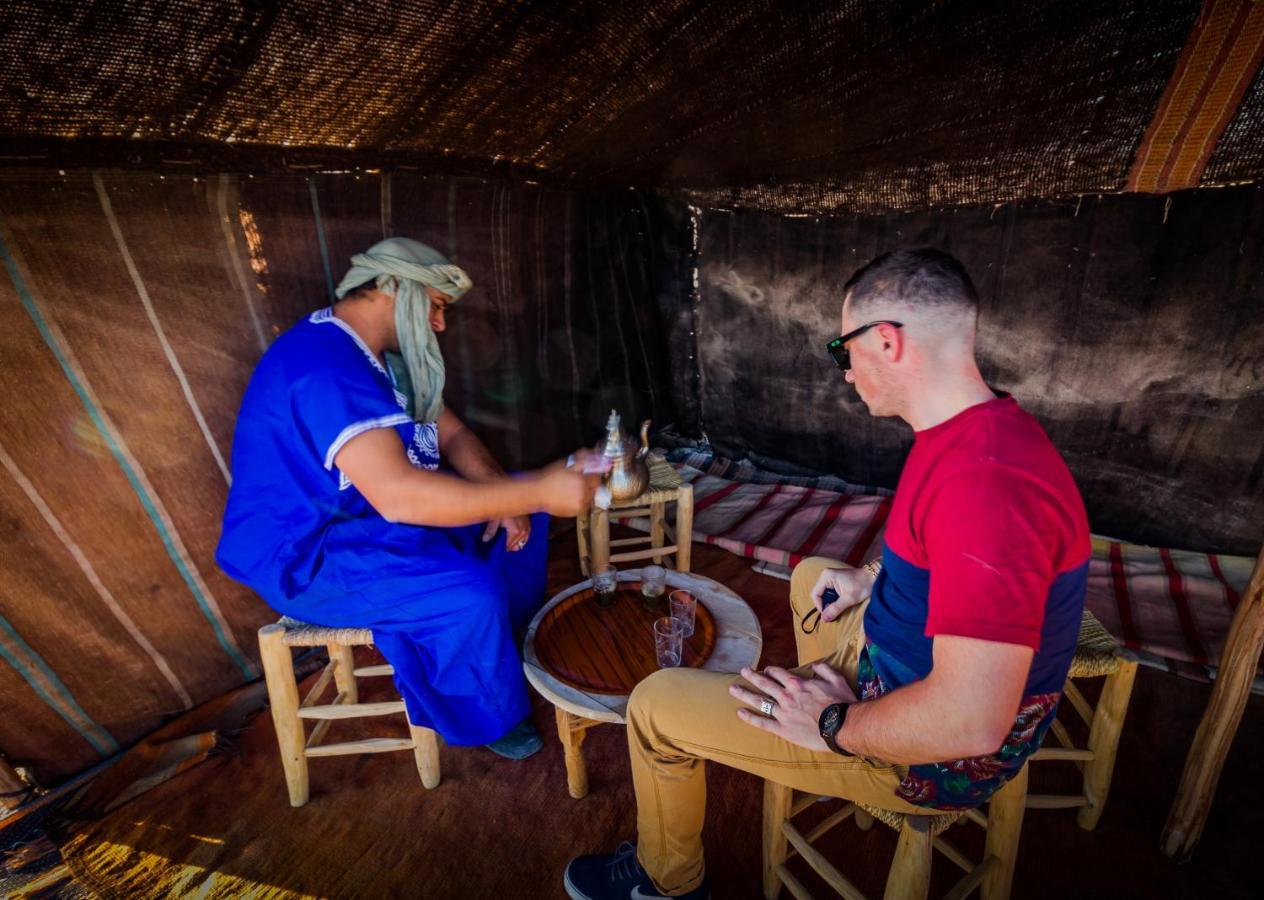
x,y
920,278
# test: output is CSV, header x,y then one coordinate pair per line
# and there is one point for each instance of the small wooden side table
x,y
739,641
592,527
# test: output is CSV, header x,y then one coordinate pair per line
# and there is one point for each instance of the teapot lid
x,y
614,436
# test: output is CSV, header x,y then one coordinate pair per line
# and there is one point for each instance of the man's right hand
x,y
852,586
566,491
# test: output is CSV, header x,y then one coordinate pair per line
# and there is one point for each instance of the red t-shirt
x,y
987,538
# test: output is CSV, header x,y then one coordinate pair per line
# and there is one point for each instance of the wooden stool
x,y
909,876
288,713
592,527
1097,654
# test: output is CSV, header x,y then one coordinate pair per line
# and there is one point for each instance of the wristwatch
x,y
831,721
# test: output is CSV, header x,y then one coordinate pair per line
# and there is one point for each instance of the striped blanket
x,y
1172,607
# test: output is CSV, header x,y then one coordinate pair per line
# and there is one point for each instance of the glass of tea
x,y
683,606
669,637
605,582
653,583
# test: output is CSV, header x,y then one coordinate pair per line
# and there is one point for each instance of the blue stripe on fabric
x,y
64,704
320,234
28,301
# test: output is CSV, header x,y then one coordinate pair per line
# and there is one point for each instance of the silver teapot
x,y
629,474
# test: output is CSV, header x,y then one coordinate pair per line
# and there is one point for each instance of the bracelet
x,y
873,567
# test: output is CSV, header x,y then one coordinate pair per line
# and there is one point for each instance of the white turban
x,y
405,268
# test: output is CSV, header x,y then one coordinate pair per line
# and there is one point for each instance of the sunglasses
x,y
838,347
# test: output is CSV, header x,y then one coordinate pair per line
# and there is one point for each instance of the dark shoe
x,y
521,742
616,876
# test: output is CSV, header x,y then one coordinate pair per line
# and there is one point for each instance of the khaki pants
x,y
677,718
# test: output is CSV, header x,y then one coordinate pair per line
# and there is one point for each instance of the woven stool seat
x,y
937,823
305,634
1096,650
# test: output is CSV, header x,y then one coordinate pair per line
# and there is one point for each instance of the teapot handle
x,y
645,439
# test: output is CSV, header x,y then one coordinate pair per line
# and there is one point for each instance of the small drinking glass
x,y
605,583
683,606
653,583
669,637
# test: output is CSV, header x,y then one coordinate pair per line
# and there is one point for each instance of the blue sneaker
x,y
522,741
617,876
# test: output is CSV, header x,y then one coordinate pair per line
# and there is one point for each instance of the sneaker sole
x,y
571,891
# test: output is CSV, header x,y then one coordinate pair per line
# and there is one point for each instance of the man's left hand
x,y
517,531
797,702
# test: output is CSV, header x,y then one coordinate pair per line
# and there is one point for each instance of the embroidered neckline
x,y
326,315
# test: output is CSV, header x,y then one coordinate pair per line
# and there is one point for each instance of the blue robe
x,y
442,604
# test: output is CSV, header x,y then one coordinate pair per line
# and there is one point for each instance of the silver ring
x,y
766,707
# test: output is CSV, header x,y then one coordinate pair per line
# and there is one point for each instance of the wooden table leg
x,y
684,528
582,527
599,538
1219,723
571,729
658,517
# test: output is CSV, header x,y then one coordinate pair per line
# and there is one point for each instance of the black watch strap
x,y
830,723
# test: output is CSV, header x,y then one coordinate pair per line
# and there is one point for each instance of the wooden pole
x,y
1220,722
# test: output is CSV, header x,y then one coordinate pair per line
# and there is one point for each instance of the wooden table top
x,y
738,642
609,650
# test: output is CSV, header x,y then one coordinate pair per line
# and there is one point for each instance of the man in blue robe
x,y
339,515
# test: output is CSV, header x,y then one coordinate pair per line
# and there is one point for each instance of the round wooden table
x,y
738,643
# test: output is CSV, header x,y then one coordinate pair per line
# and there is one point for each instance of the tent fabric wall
x,y
133,308
816,106
1131,326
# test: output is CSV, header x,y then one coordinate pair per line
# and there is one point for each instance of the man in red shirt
x,y
933,693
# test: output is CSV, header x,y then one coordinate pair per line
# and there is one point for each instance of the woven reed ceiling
x,y
803,106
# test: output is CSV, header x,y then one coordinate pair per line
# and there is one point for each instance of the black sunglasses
x,y
838,347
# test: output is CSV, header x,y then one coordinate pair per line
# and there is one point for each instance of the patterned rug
x,y
1172,607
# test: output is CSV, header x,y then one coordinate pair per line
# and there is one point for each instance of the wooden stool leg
x,y
777,802
344,672
684,527
600,537
1005,826
909,878
582,525
658,518
426,753
571,730
278,672
1103,740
